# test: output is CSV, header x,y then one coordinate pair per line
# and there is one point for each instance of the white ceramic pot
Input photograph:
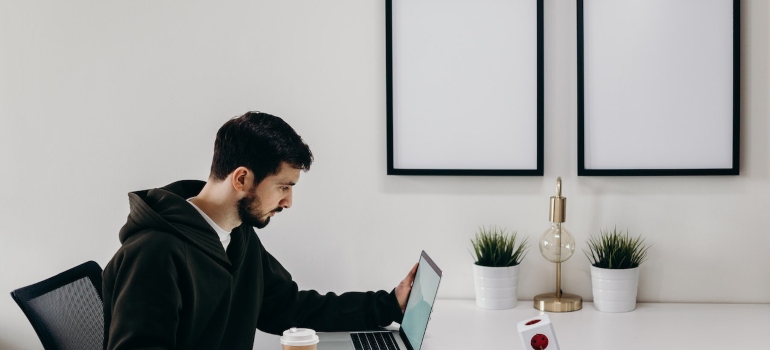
x,y
614,289
496,287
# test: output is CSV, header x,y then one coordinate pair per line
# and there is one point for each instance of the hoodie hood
x,y
165,210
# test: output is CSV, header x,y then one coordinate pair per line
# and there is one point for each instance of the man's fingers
x,y
412,273
403,288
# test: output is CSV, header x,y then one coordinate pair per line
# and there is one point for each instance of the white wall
x,y
101,98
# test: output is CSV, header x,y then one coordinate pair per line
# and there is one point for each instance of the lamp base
x,y
564,303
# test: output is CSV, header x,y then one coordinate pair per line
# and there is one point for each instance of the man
x,y
191,272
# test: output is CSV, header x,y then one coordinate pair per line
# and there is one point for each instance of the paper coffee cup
x,y
299,339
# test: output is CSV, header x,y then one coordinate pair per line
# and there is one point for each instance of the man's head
x,y
264,155
259,142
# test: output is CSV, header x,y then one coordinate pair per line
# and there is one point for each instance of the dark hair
x,y
260,142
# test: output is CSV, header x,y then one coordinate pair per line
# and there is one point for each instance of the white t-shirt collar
x,y
224,236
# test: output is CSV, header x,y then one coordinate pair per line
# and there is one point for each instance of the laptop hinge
x,y
404,339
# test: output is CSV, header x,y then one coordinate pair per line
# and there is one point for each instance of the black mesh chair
x,y
66,310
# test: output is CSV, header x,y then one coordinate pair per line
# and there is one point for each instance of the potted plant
x,y
615,258
497,257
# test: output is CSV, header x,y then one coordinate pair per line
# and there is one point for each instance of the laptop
x,y
416,316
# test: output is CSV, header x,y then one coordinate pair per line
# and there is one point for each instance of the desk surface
x,y
459,324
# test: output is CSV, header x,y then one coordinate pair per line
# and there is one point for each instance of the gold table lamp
x,y
557,245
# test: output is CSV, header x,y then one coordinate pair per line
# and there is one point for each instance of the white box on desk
x,y
537,333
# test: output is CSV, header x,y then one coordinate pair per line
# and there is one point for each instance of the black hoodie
x,y
171,285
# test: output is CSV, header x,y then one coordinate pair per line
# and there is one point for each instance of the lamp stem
x,y
558,264
558,279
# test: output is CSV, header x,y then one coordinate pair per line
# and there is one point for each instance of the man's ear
x,y
242,179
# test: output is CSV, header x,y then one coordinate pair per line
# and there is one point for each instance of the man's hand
x,y
403,288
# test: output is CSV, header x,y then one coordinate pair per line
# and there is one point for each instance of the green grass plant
x,y
493,247
616,250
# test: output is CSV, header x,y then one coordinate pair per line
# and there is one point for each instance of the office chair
x,y
66,310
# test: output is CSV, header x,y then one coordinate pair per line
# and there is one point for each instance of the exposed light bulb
x,y
557,244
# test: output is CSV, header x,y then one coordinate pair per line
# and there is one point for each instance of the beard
x,y
249,213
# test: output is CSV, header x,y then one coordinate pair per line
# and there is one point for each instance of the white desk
x,y
460,325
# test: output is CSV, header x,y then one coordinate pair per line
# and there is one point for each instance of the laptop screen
x,y
420,302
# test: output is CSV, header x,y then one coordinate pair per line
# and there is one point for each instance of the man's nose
x,y
286,202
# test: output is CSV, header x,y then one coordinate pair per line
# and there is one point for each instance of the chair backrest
x,y
66,310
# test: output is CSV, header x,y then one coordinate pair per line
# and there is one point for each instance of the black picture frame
x,y
418,146
696,130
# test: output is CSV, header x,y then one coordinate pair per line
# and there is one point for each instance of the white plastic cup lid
x,y
299,337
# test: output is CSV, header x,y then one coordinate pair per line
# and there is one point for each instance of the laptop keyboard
x,y
374,341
